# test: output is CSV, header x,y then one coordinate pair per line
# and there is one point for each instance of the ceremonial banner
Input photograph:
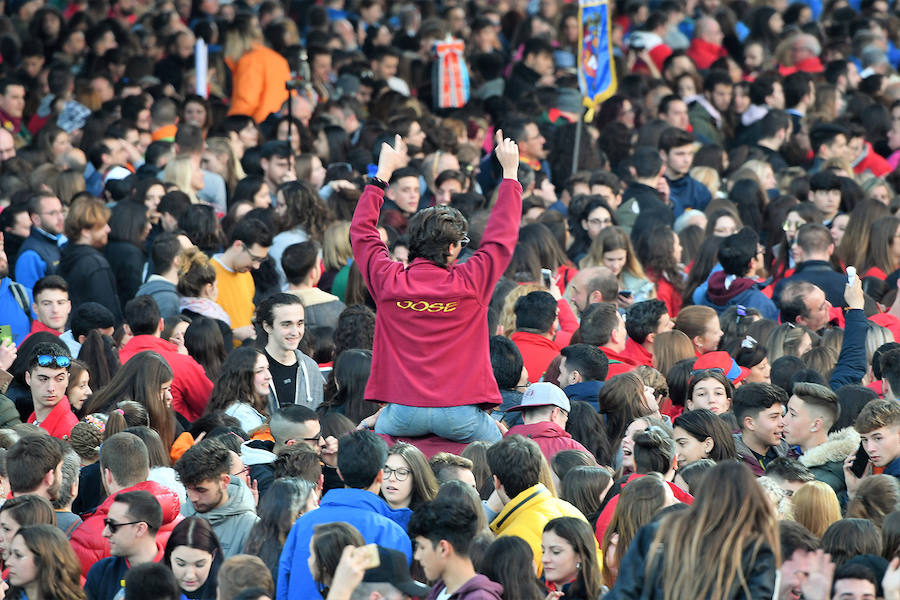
x,y
596,68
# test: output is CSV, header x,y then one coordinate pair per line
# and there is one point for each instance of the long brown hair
x,y
140,380
880,241
737,518
235,384
609,239
577,532
57,566
638,502
425,486
669,347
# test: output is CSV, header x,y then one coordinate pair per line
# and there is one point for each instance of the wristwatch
x,y
378,183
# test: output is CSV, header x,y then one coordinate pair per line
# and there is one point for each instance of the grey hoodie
x,y
233,520
310,389
163,291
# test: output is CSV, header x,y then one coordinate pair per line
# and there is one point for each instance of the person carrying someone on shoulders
x,y
432,314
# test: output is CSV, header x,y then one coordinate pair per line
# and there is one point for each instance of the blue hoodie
x,y
364,510
686,192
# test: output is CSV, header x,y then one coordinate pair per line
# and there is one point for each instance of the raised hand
x,y
507,152
391,158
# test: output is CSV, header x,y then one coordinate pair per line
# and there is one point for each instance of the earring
x,y
578,566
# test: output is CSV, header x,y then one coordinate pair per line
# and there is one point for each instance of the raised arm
x,y
369,252
502,230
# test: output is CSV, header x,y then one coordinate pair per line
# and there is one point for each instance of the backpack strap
x,y
21,296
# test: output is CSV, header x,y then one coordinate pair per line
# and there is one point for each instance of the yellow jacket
x,y
526,515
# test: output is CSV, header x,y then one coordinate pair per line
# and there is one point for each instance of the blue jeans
x,y
457,423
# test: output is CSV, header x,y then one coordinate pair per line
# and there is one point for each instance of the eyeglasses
x,y
791,226
464,242
45,360
114,527
241,472
599,222
317,437
253,257
400,473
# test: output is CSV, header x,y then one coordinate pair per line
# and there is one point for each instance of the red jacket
x,y
607,514
618,363
873,162
60,421
887,320
537,352
88,541
38,326
191,387
550,437
666,292
705,53
431,334
637,353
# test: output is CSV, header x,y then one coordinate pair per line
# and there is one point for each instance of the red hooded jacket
x,y
550,438
191,387
88,541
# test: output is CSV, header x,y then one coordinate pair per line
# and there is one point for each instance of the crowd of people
x,y
357,299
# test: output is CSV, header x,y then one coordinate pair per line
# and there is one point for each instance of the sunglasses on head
x,y
46,360
713,370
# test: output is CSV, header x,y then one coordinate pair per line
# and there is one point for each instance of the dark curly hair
x,y
205,460
305,209
431,231
355,329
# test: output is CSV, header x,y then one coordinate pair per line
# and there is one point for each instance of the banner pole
x,y
577,151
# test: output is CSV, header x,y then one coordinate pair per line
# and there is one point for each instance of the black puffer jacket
x,y
633,584
90,278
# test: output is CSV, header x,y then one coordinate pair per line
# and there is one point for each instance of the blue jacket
x,y
893,468
360,508
11,312
718,298
851,365
686,192
38,256
586,391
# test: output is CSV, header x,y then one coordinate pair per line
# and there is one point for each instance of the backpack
x,y
21,296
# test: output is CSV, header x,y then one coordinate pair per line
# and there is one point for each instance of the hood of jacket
x,y
156,285
168,500
724,288
479,587
73,253
240,501
544,429
257,452
837,448
587,391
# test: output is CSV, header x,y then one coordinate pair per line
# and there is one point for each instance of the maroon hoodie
x,y
431,334
477,588
719,295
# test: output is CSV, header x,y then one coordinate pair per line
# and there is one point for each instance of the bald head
x,y
7,145
591,285
709,30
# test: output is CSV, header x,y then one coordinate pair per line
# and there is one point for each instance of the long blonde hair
x,y
727,523
179,171
243,34
508,312
234,172
816,507
336,250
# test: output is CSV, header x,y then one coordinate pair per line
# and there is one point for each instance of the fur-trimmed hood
x,y
839,446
